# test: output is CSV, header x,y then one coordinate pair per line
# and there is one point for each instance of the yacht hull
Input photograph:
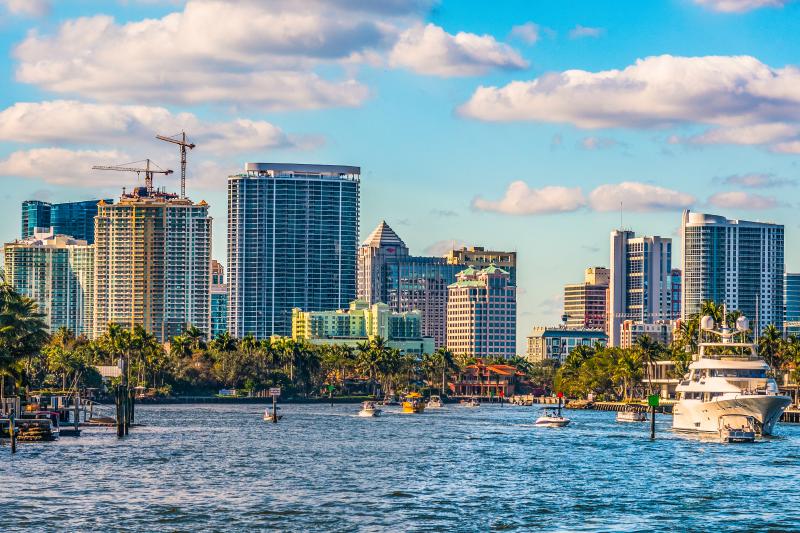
x,y
703,417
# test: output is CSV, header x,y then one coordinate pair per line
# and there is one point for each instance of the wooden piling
x,y
13,433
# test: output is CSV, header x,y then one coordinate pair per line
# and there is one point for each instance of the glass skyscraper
x,y
736,263
791,302
292,241
35,214
75,219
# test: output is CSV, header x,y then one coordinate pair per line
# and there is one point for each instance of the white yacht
x,y
368,409
727,377
435,402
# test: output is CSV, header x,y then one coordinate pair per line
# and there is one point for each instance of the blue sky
x,y
508,124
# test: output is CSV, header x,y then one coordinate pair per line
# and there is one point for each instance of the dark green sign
x,y
330,388
652,400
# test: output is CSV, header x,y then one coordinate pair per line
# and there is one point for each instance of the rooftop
x,y
288,169
382,236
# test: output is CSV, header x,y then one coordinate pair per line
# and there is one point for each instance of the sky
x,y
516,125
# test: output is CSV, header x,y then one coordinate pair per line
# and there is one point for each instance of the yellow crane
x,y
183,144
148,172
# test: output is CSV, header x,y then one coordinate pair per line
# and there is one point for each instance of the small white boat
x,y
472,402
435,402
368,409
631,415
268,415
552,418
737,428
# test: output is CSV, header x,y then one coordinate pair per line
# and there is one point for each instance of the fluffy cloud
x,y
597,143
58,166
245,52
68,122
528,32
742,200
520,199
430,50
747,135
758,181
740,6
788,147
27,8
655,91
639,197
579,32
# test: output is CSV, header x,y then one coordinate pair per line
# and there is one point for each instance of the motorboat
x,y
435,402
737,428
472,402
390,399
552,418
413,403
630,414
369,409
727,377
269,414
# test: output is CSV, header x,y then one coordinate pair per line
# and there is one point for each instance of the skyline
x,y
379,86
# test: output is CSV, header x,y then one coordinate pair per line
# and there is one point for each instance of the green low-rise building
x,y
362,322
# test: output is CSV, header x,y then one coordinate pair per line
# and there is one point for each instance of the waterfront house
x,y
486,381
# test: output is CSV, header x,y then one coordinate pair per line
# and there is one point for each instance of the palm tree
x,y
180,347
769,346
712,309
650,351
224,342
447,363
22,333
197,339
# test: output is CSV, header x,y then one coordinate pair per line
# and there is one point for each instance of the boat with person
x,y
368,409
270,415
413,403
631,414
737,428
390,399
471,402
552,418
435,402
727,377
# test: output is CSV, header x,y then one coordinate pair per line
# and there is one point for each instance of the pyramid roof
x,y
383,235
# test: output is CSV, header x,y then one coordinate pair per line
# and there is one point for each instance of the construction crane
x,y
183,145
148,172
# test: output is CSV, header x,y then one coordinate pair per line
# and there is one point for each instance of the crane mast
x,y
182,145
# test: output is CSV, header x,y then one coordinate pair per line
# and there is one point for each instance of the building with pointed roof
x,y
482,313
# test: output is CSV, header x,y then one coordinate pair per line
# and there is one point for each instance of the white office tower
x,y
733,262
639,288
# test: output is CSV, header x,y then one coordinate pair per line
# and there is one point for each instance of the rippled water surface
x,y
221,468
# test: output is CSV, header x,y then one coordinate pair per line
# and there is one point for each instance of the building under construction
x,y
153,251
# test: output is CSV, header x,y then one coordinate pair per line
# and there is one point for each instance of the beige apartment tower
x,y
152,264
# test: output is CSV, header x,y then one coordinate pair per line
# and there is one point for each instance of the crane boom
x,y
183,144
148,172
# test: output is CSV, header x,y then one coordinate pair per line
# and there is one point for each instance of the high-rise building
x,y
733,262
383,245
482,313
791,303
57,272
479,258
585,303
75,219
219,299
675,290
35,214
361,322
153,263
639,287
292,242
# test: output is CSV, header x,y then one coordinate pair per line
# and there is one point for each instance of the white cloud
x,y
442,247
578,32
742,200
430,50
27,8
655,91
597,143
520,199
747,135
638,197
528,32
71,122
788,147
758,181
740,6
245,52
58,166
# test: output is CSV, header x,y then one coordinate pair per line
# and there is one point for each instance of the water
x,y
221,468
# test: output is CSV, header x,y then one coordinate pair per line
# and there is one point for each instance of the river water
x,y
221,468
